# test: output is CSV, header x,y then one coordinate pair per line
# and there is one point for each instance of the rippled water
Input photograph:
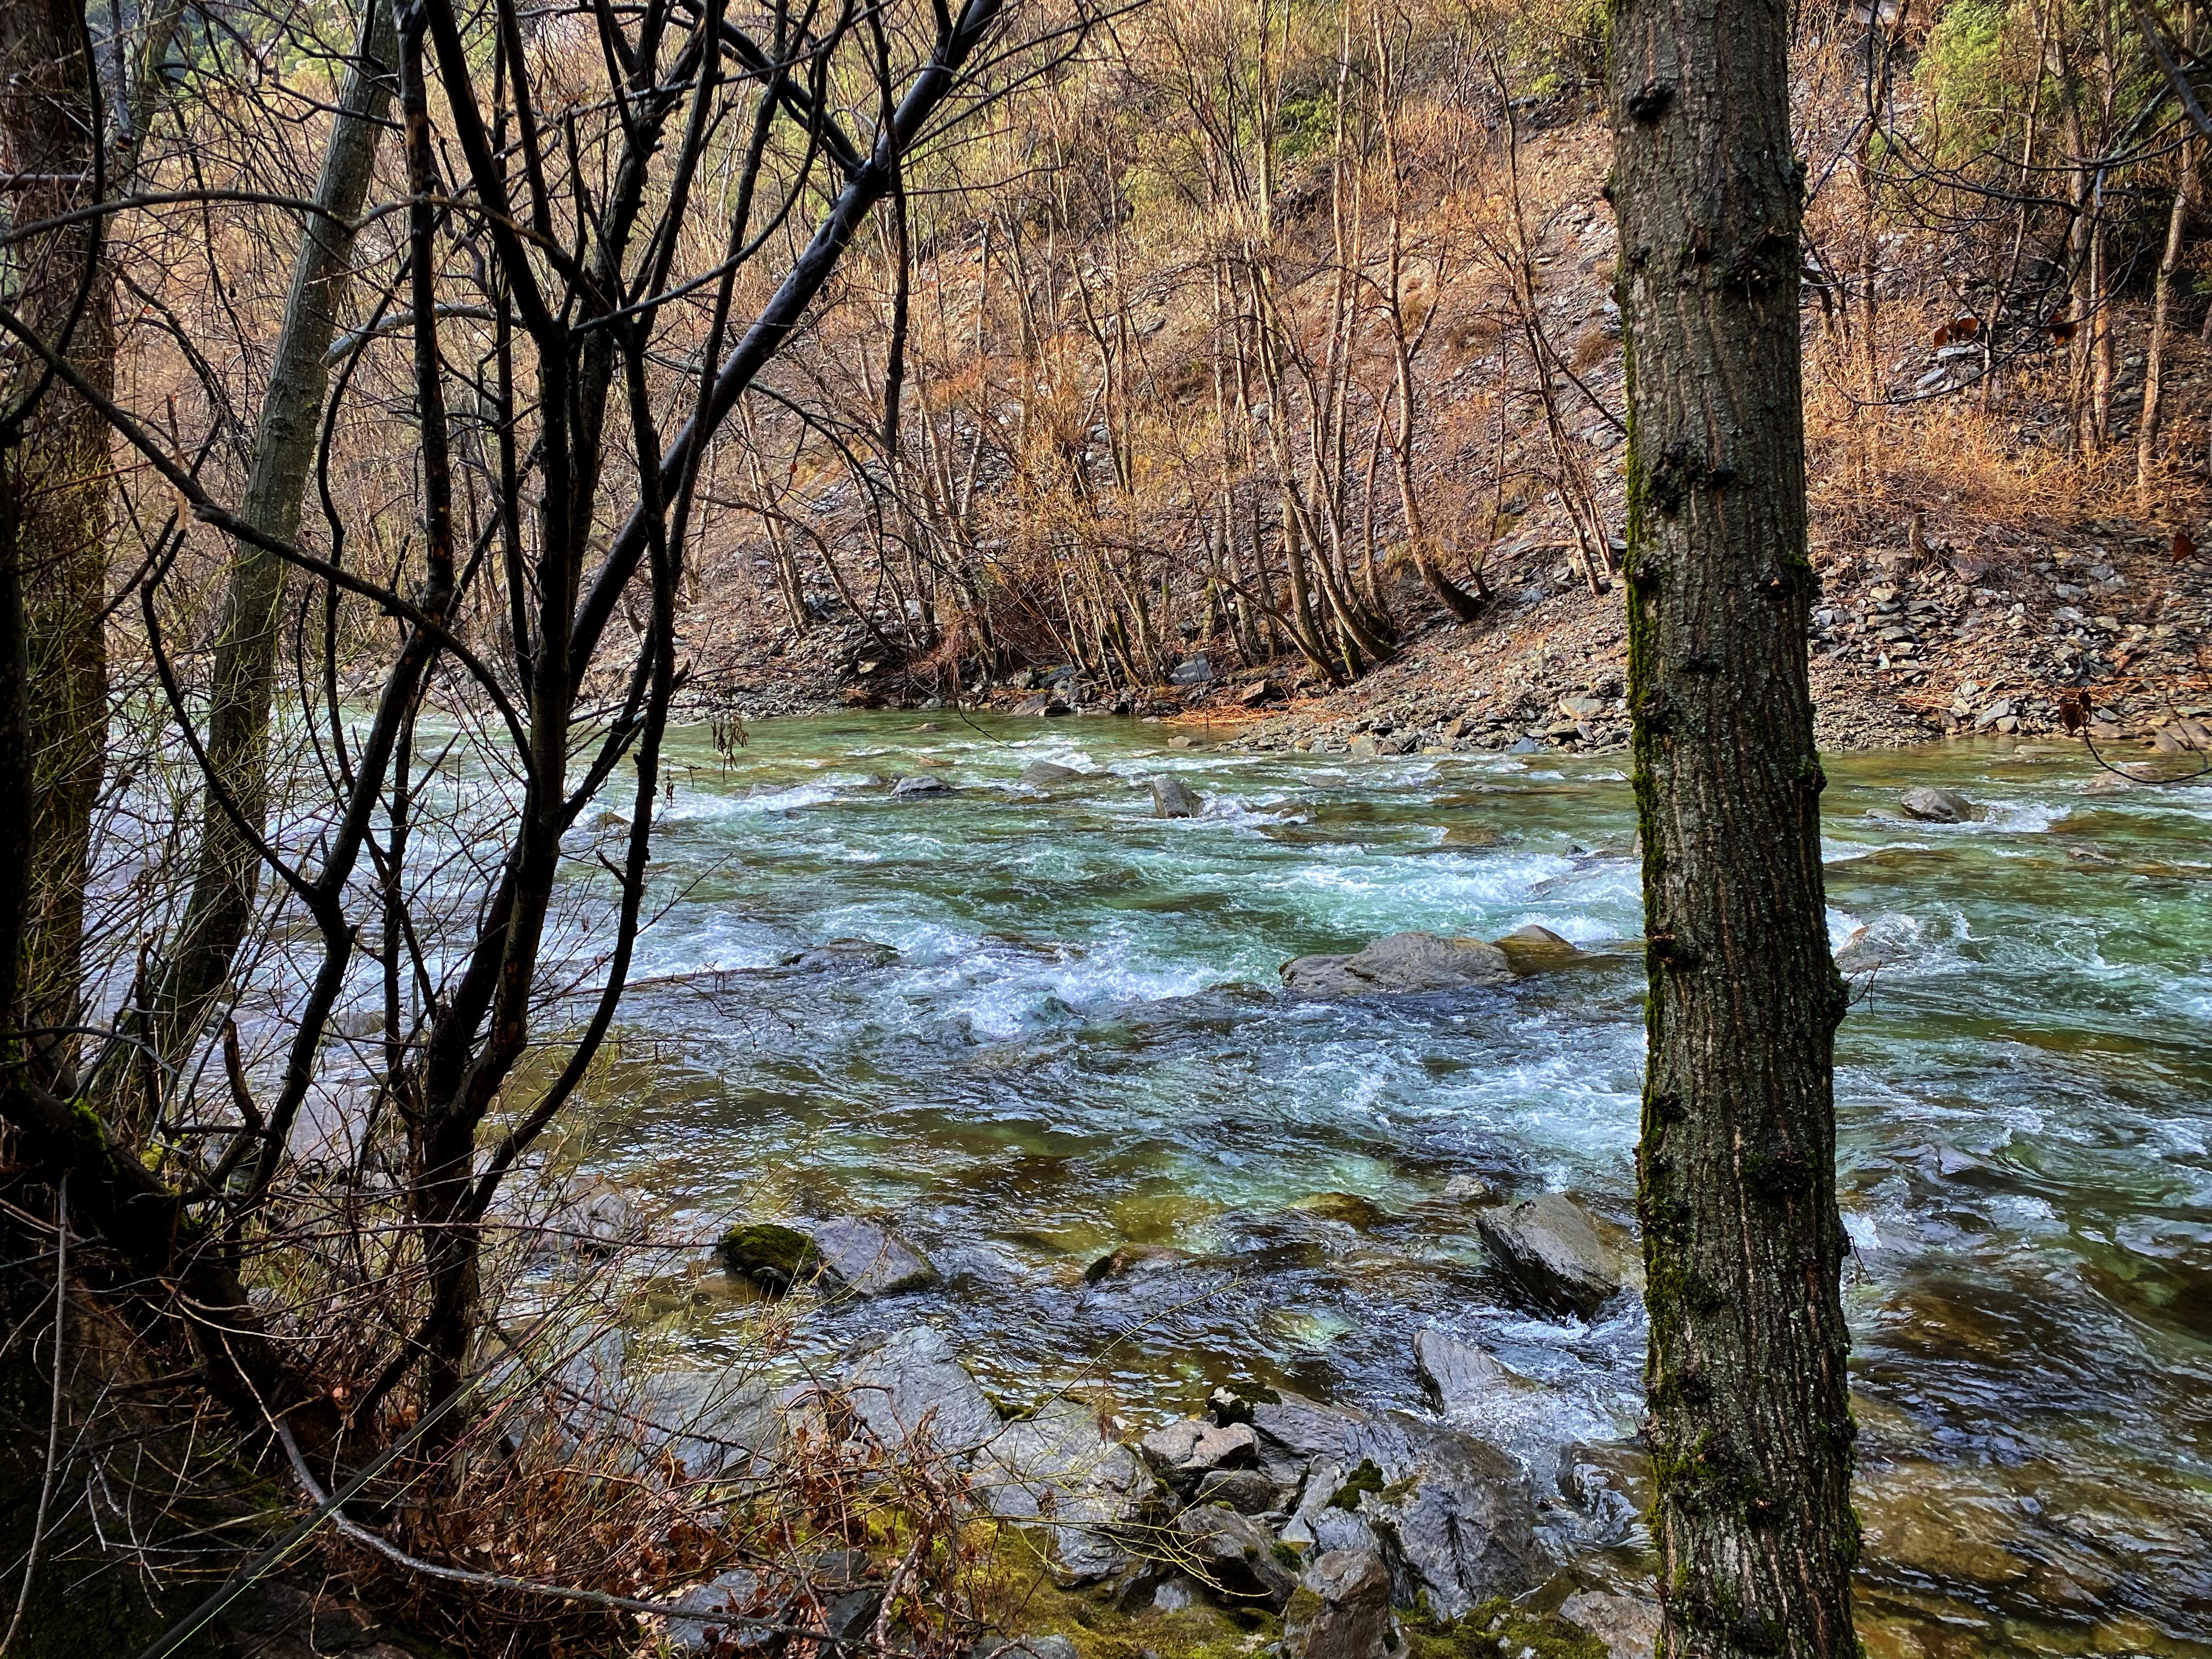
x,y
1074,1043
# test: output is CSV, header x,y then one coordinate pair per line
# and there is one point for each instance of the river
x,y
1063,1035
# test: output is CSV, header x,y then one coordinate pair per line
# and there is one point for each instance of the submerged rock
x,y
1172,798
1400,961
1549,1250
912,1392
1039,774
1124,1260
1341,1609
1362,1214
1937,805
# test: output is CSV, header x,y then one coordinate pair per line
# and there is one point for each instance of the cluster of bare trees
x,y
345,509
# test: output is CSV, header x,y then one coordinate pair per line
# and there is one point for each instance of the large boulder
x,y
1341,1609
1937,805
1235,1553
1172,798
912,1392
775,1257
1537,950
1461,1380
1060,1468
865,1260
1184,1452
1043,773
1628,1625
1400,961
1547,1247
922,785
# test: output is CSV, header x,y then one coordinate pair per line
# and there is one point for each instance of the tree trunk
x,y
57,470
2161,313
227,872
1750,1425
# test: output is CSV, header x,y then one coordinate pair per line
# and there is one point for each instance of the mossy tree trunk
x,y
57,474
1750,1427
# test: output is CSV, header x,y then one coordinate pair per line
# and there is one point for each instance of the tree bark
x,y
1750,1426
56,470
226,871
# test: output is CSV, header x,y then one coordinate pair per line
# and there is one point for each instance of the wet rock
x,y
773,1257
706,1621
1882,943
1466,1187
845,953
1044,703
910,1390
1060,1468
1400,961
1627,1625
1128,1260
921,786
1183,1451
1039,774
1537,950
1341,1609
1459,1376
1246,1491
1172,798
865,1260
1235,1554
1025,1647
594,1218
1937,806
1363,1214
1548,1248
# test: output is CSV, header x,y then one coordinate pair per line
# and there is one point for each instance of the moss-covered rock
x,y
1497,1630
773,1257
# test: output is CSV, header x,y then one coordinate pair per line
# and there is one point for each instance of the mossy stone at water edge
x,y
773,1257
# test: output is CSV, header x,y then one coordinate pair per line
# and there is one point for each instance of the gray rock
x,y
1234,1553
713,1626
1937,805
1126,1260
924,785
1039,774
1549,1250
1044,703
1365,747
1060,1469
863,1258
1025,1647
1341,1609
1627,1625
1467,1188
1192,671
1171,798
910,1390
1246,1491
1400,961
594,1218
1459,1376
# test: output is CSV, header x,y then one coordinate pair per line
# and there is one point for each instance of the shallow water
x,y
1077,1045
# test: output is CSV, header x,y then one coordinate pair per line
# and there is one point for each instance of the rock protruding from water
x,y
775,1257
1461,1378
1937,805
1341,1609
1043,773
845,1254
867,1260
923,785
1398,962
1537,950
1172,798
1547,1247
915,1396
1183,1452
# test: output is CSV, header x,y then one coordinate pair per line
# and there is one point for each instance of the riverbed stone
x,y
1172,798
924,785
867,1260
1400,961
1043,773
1235,1554
773,1256
1547,1247
1341,1609
912,1392
1459,1376
1937,806
1246,1491
1129,1260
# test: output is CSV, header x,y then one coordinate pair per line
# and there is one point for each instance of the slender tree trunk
x,y
56,469
1750,1425
2161,315
227,872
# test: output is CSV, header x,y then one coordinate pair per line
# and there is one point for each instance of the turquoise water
x,y
1067,1038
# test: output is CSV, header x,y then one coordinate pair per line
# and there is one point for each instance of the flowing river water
x,y
1063,1035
